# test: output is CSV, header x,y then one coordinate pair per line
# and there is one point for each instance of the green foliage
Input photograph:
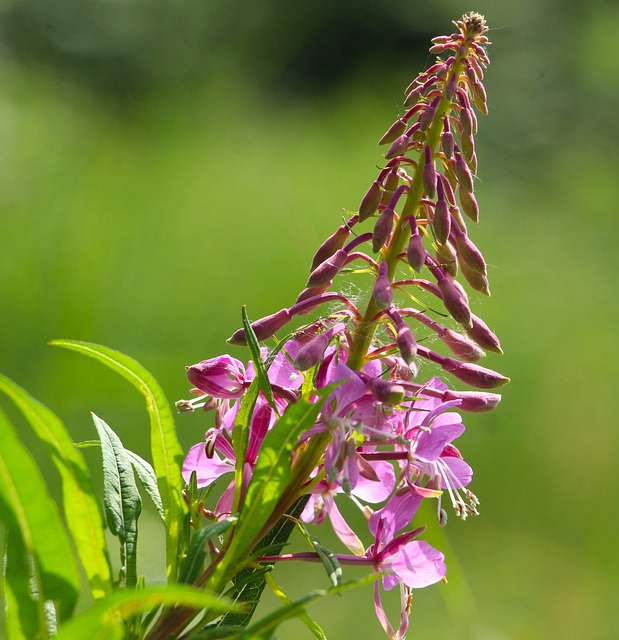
x,y
148,478
196,554
121,500
82,511
104,621
44,563
165,448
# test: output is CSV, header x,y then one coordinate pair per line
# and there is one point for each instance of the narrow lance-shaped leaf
x,y
121,498
81,505
261,372
240,433
249,583
196,553
104,621
311,624
263,629
27,510
165,448
24,613
147,477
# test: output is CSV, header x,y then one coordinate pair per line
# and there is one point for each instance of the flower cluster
x,y
387,435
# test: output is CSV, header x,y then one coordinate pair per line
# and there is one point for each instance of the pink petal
x,y
341,528
418,564
376,491
207,469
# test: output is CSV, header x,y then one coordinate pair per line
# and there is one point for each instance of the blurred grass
x,y
147,229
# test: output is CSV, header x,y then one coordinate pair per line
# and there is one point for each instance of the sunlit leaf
x,y
196,553
27,510
121,498
104,621
81,506
23,615
165,448
147,477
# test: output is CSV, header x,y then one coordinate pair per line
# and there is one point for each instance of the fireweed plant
x,y
339,406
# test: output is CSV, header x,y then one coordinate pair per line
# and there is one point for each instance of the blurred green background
x,y
163,163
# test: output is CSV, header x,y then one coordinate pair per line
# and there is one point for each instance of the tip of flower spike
x,y
472,23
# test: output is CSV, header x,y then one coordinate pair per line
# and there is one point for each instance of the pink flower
x,y
403,561
221,377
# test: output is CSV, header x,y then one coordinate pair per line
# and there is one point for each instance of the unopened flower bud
x,y
450,87
469,253
446,255
447,139
426,118
469,203
448,189
412,97
328,269
468,147
478,281
310,354
406,343
473,374
472,162
441,222
466,121
385,390
483,336
416,253
463,173
394,131
370,201
460,345
428,174
479,97
382,229
398,147
221,377
382,292
390,185
330,245
455,301
263,328
473,401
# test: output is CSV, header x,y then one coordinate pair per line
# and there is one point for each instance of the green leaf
x,y
272,469
240,437
147,477
104,621
165,448
330,562
259,368
196,553
327,557
121,498
21,607
311,624
27,510
81,506
249,583
263,629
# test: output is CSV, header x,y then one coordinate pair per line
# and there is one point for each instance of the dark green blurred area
x,y
165,162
